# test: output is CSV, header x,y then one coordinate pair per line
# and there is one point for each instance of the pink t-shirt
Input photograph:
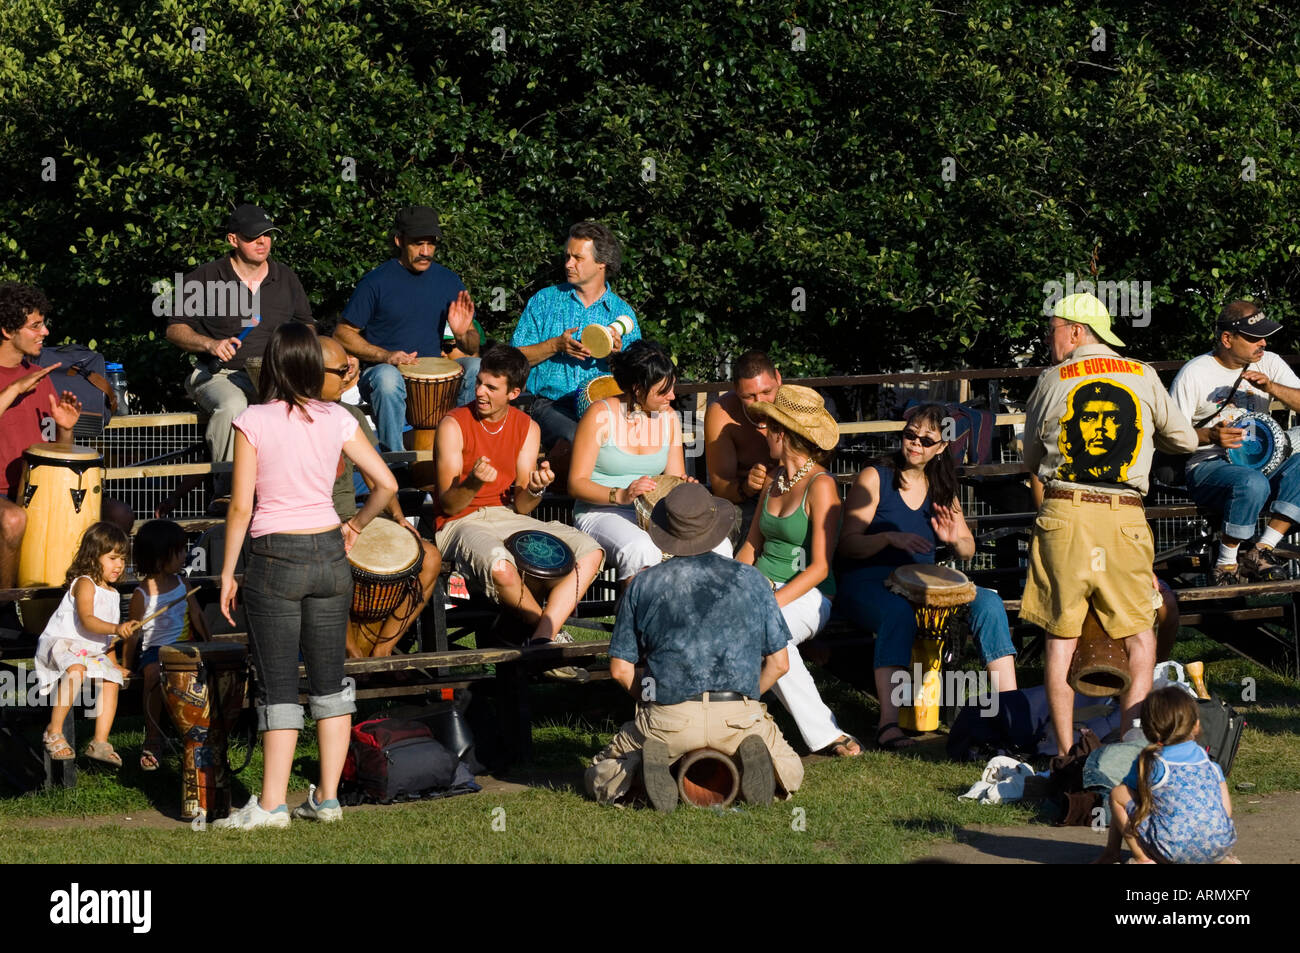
x,y
297,461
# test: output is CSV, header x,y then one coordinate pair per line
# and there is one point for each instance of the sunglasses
x,y
915,437
340,371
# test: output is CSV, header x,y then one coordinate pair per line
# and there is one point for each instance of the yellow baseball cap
x,y
1087,309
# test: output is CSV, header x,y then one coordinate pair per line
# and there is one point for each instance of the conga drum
x,y
62,492
204,684
385,561
936,592
599,338
1099,667
596,389
431,386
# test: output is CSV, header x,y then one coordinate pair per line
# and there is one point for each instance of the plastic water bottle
x,y
116,376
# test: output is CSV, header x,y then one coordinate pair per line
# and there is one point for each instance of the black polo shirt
x,y
214,302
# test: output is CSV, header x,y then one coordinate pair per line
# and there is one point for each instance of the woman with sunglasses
x,y
792,540
895,514
297,584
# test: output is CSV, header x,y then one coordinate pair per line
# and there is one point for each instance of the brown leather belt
x,y
1105,498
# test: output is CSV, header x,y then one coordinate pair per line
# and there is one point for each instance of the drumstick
x,y
161,609
253,322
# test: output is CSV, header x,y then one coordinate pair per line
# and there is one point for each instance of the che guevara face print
x,y
1100,433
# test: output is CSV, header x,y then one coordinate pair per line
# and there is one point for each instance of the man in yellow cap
x,y
1091,427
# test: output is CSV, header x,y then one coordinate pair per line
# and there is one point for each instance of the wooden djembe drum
x,y
1100,665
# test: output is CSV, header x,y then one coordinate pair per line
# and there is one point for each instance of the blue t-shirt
x,y
702,623
399,310
550,313
1186,752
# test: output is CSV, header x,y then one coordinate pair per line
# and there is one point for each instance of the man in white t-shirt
x,y
1203,389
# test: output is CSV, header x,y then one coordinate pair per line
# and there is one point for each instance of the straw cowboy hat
x,y
800,410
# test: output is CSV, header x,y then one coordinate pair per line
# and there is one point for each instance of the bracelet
x,y
354,526
613,496
538,495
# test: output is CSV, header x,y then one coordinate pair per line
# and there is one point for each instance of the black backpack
x,y
82,372
394,760
1221,729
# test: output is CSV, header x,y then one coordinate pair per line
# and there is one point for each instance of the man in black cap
x,y
697,640
224,312
1240,376
397,315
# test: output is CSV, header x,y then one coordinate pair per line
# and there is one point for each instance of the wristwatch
x,y
613,496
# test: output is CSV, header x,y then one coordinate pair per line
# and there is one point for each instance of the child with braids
x,y
1182,813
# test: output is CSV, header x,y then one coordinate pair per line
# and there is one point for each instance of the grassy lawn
x,y
878,808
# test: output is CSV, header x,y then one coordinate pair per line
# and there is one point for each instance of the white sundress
x,y
66,642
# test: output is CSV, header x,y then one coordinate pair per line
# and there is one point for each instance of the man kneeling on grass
x,y
712,640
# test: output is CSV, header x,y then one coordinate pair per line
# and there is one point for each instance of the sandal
x,y
103,752
57,746
893,744
148,758
842,747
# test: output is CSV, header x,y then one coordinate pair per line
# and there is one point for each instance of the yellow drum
x,y
431,386
936,592
62,492
599,338
596,389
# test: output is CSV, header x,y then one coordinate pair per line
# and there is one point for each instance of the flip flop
x,y
148,759
901,743
103,752
841,748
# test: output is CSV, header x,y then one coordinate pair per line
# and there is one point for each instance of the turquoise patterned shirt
x,y
551,312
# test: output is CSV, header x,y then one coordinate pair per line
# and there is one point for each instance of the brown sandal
x,y
58,747
103,752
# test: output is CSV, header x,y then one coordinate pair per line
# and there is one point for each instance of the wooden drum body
x,y
204,684
431,387
1099,667
62,492
935,592
385,561
645,503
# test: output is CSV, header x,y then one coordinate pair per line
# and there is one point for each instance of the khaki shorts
x,y
475,543
1090,553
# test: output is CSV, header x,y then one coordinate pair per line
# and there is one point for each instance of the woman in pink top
x,y
297,583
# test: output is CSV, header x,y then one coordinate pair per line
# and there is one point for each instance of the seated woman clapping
x,y
791,541
895,513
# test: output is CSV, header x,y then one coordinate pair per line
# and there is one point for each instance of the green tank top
x,y
786,543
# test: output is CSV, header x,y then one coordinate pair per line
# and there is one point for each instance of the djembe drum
x,y
62,492
385,562
645,503
936,593
1099,667
431,387
596,389
599,338
204,684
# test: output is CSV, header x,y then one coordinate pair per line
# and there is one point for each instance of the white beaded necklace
x,y
783,485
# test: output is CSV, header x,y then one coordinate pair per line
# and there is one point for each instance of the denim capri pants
x,y
297,593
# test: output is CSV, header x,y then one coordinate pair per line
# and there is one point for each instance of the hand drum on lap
x,y
1100,664
385,561
540,554
62,492
645,503
596,389
431,387
1264,445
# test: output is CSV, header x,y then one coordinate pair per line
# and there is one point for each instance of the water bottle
x,y
117,380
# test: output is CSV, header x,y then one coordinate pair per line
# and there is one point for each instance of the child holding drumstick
x,y
78,641
160,550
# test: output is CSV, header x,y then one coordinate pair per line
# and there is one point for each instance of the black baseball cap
x,y
417,221
249,221
1256,324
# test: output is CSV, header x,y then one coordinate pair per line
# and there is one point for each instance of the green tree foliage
x,y
920,173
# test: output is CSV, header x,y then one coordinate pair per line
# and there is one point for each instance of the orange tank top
x,y
500,446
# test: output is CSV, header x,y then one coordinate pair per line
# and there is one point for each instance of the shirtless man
x,y
735,449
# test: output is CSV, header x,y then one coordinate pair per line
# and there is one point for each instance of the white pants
x,y
805,617
627,546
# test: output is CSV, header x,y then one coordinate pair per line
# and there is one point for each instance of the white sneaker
x,y
251,816
323,811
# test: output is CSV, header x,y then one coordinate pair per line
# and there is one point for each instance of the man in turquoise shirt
x,y
550,332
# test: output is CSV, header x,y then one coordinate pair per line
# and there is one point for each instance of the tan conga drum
x,y
385,561
708,778
431,386
596,389
645,503
599,338
936,593
1099,667
204,684
253,368
62,492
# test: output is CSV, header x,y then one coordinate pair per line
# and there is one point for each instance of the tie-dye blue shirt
x,y
702,624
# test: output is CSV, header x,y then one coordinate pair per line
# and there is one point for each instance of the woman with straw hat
x,y
791,541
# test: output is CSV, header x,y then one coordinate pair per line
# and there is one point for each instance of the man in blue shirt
x,y
711,640
550,333
398,313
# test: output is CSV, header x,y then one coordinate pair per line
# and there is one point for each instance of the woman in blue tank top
x,y
895,513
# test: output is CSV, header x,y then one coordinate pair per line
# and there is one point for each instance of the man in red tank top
x,y
488,481
30,412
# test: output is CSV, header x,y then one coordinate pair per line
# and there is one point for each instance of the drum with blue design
x,y
540,554
1264,445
